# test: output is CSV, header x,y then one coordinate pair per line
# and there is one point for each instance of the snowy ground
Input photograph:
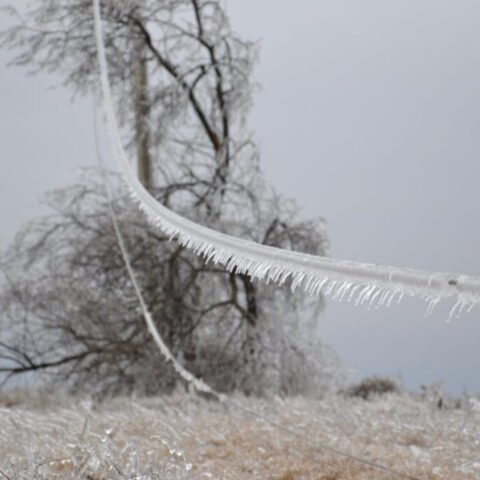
x,y
184,437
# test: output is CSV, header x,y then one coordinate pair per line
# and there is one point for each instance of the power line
x,y
191,379
198,384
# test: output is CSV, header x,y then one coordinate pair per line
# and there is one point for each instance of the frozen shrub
x,y
372,387
183,93
68,309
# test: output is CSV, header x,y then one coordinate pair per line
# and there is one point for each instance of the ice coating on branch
x,y
364,284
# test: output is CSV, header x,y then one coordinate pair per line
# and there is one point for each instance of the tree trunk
x,y
250,346
142,108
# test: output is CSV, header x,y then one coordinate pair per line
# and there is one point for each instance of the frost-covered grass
x,y
185,437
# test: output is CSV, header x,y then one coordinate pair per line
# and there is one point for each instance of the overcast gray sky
x,y
369,116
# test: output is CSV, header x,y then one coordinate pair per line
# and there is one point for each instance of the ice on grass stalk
x,y
361,283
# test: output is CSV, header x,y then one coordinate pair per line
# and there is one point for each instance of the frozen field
x,y
184,437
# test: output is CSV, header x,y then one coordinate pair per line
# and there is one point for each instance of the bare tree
x,y
182,82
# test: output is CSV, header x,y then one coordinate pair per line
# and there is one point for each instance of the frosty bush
x,y
69,310
372,387
181,81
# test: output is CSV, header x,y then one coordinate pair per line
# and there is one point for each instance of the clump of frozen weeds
x,y
184,437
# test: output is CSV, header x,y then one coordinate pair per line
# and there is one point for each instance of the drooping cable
x,y
195,382
191,379
362,283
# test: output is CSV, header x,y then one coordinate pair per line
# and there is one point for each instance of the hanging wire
x,y
361,283
195,382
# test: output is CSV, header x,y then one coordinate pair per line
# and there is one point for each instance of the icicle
x,y
431,305
374,297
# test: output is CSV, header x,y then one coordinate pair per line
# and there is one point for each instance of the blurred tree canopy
x,y
182,82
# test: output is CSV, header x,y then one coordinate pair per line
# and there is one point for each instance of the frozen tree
x,y
182,84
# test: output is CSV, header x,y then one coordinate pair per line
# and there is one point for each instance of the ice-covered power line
x,y
361,283
188,233
198,384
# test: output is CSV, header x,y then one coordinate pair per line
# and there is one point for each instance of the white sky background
x,y
369,116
